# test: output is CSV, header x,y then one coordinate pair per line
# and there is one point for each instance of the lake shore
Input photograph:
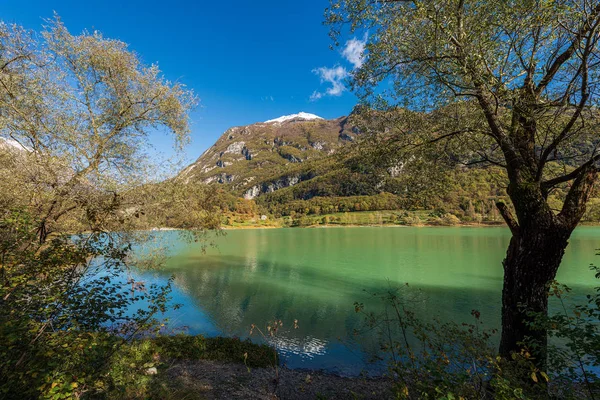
x,y
220,380
464,225
195,367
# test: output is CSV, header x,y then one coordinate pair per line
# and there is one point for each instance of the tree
x,y
516,83
75,187
82,107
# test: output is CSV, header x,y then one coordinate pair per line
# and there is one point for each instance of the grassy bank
x,y
195,367
138,369
356,218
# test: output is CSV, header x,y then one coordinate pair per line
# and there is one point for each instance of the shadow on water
x,y
315,276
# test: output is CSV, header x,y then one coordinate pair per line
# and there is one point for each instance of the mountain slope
x,y
267,156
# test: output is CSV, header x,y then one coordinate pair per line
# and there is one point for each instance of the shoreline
x,y
316,226
327,226
224,380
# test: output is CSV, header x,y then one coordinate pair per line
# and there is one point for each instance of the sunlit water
x,y
315,276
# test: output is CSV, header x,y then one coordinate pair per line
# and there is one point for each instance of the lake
x,y
314,276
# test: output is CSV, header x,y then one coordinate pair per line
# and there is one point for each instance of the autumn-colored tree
x,y
513,82
81,107
75,187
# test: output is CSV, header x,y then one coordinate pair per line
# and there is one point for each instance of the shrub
x,y
448,360
410,220
450,219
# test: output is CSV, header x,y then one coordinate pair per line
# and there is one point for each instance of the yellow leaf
x,y
74,385
545,376
54,384
534,377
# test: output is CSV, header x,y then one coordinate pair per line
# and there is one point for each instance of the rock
x,y
225,178
252,192
291,158
396,170
346,137
246,153
235,147
318,145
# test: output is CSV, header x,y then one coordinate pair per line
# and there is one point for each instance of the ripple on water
x,y
307,347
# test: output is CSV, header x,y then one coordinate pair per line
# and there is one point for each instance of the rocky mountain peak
x,y
12,145
270,155
293,117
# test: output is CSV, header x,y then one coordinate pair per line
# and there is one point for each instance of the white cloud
x,y
354,51
333,76
316,96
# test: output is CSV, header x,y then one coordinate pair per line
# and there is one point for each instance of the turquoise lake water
x,y
315,275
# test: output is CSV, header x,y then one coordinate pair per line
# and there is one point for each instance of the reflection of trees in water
x,y
239,291
248,283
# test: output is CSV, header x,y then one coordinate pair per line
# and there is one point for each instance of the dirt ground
x,y
214,380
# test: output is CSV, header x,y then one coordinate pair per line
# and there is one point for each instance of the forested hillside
x,y
303,165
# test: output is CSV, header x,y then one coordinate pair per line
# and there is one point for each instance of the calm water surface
x,y
316,275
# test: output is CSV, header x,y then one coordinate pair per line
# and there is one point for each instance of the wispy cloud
x,y
267,98
354,51
334,77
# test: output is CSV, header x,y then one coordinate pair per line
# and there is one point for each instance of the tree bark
x,y
531,263
538,243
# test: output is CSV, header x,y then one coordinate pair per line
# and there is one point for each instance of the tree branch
x,y
568,53
508,218
547,185
574,205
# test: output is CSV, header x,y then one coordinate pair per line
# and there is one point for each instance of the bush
x,y
410,220
450,219
448,360
64,310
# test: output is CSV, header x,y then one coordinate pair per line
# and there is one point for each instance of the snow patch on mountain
x,y
11,143
300,115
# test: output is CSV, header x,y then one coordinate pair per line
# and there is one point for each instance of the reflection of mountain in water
x,y
316,275
237,292
236,302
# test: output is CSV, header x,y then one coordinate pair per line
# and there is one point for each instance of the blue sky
x,y
248,61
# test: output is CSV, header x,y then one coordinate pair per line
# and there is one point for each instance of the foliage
x,y
73,197
448,360
81,107
64,308
575,352
432,360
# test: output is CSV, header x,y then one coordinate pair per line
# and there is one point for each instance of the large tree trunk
x,y
531,263
534,254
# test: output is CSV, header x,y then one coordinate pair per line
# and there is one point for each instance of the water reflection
x,y
316,275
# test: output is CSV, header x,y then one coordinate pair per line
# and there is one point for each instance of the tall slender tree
x,y
516,81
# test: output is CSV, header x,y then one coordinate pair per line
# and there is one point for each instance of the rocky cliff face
x,y
267,156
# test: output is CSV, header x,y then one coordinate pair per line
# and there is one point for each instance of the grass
x,y
356,218
137,369
215,349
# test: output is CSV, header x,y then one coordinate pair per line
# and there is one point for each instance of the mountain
x,y
11,145
271,155
301,164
